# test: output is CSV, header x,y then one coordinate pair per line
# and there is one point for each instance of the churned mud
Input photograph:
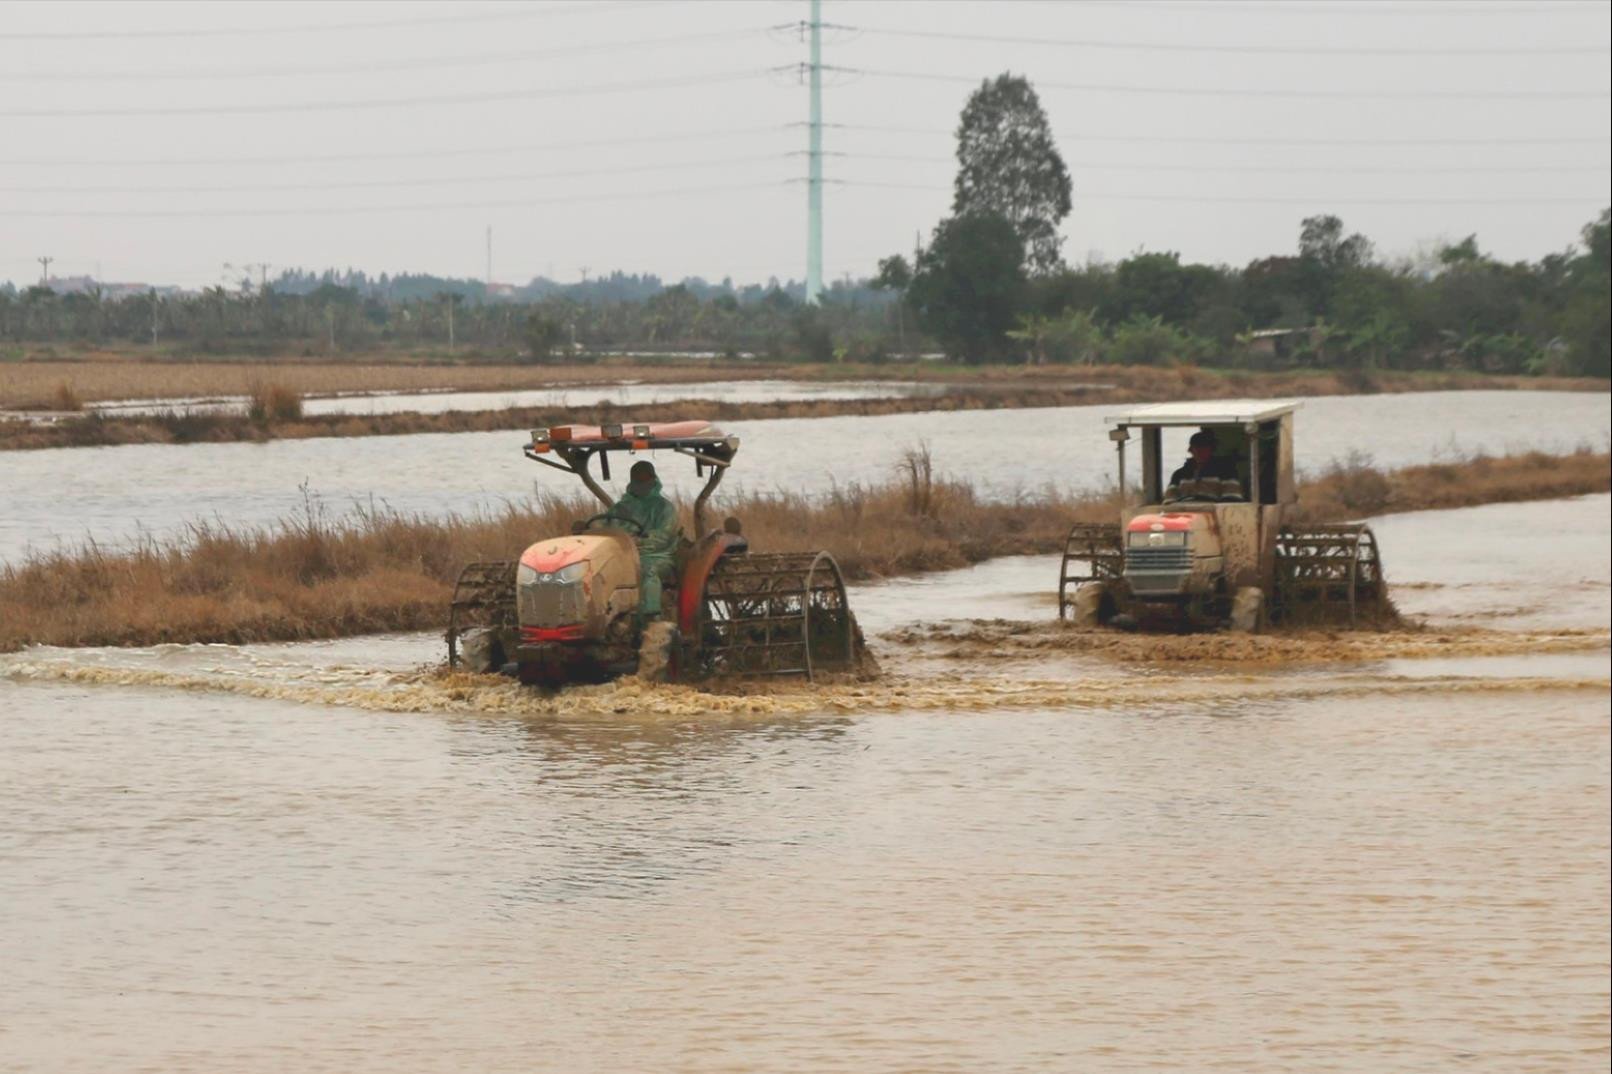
x,y
998,639
443,692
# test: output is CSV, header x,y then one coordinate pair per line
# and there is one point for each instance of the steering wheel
x,y
617,520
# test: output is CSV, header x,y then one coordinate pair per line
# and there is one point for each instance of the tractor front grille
x,y
1157,560
550,604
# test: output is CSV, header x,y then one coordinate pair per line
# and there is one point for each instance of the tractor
x,y
567,610
1220,550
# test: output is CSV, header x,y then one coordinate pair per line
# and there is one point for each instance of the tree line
x,y
990,286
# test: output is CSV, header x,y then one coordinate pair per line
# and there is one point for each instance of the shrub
x,y
65,398
268,403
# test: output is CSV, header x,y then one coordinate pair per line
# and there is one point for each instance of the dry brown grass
x,y
1354,488
312,577
65,398
272,403
100,375
190,426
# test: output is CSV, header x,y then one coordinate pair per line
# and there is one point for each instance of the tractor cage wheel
x,y
1323,569
1099,547
483,596
781,613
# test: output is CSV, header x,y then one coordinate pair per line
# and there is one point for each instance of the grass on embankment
x,y
997,388
99,375
378,571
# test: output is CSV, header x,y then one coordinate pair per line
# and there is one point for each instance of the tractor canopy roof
x,y
696,436
1211,412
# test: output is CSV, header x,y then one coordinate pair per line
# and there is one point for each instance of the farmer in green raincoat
x,y
657,539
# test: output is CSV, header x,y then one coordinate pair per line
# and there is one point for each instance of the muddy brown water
x,y
112,494
324,857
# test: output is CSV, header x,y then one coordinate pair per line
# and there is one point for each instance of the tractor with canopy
x,y
1215,543
569,609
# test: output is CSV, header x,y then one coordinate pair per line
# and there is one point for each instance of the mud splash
x,y
457,693
996,639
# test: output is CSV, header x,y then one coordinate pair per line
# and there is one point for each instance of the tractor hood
x,y
551,555
1165,522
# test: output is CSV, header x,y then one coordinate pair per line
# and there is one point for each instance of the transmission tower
x,y
814,156
44,270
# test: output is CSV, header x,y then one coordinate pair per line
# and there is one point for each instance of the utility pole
x,y
44,270
489,259
814,155
153,316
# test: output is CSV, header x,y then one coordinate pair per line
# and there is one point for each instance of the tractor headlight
x,y
574,572
1173,539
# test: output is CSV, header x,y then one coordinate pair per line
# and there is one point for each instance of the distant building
x,y
1285,344
85,285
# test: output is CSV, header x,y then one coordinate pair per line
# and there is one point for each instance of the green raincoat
x,y
644,504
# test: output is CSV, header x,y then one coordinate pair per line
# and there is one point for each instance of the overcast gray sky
x,y
157,141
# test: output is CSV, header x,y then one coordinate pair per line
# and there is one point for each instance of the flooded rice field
x,y
619,394
116,493
1027,849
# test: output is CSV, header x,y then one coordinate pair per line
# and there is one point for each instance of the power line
x,y
385,102
374,210
319,28
1098,195
419,63
1182,91
1260,169
1280,50
378,184
412,154
1212,139
1397,10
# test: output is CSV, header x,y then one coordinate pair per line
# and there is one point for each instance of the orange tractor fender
x,y
702,560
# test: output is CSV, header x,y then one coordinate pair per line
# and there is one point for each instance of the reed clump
x,y
272,403
374,569
65,398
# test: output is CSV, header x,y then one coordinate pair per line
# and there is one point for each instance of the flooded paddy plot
x,y
624,394
330,856
113,494
1287,885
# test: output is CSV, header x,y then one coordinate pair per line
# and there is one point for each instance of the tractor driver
x,y
659,534
1204,476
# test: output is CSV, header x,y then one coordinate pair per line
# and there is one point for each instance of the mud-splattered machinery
x,y
568,609
1218,547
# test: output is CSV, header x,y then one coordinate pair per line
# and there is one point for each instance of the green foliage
x,y
1008,165
813,336
1072,337
894,274
543,336
970,285
1145,340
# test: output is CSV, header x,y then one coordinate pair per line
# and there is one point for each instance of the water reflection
x,y
621,811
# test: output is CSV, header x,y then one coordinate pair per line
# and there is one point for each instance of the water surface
x,y
115,493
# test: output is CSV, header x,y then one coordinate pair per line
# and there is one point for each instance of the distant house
x,y
1286,344
87,285
500,290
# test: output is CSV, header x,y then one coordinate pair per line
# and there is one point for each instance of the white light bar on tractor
x,y
611,432
540,436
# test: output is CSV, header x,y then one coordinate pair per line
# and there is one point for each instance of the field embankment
x,y
311,577
1003,388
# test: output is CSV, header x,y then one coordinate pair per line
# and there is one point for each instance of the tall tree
x,y
1008,164
970,286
